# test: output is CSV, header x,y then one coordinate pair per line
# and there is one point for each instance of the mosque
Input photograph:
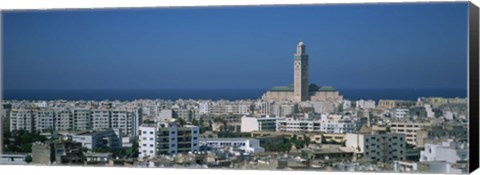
x,y
301,90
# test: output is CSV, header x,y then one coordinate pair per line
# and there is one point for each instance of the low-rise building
x,y
245,144
449,151
249,124
107,138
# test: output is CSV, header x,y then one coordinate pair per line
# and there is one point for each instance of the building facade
x,y
167,138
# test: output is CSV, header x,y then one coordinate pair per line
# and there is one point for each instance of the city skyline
x,y
419,45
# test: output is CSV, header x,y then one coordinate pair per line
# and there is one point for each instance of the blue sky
x,y
350,46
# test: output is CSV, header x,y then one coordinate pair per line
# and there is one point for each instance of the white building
x,y
204,108
22,119
249,124
147,141
365,104
244,144
378,146
409,129
167,138
291,125
165,114
111,138
401,113
337,124
347,104
449,151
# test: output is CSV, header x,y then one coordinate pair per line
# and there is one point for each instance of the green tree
x,y
28,159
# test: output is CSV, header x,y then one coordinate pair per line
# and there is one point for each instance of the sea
x,y
218,94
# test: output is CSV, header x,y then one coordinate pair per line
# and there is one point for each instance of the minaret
x,y
301,74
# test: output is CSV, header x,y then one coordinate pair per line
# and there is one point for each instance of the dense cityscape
x,y
301,126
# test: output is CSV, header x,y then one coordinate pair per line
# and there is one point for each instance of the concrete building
x,y
167,138
401,113
365,104
63,120
245,144
291,125
301,90
82,119
445,131
449,151
77,119
393,104
347,104
57,152
204,108
249,124
409,129
378,146
22,119
107,138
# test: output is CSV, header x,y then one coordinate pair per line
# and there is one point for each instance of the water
x,y
217,94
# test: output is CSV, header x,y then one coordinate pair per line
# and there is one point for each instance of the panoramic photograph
x,y
346,88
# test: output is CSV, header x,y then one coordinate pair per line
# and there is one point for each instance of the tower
x,y
300,67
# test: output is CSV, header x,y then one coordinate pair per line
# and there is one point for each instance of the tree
x,y
181,121
28,159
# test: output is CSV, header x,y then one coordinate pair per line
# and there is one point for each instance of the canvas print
x,y
347,87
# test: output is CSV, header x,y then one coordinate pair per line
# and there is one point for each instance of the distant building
x,y
393,104
76,119
301,90
402,113
365,104
245,144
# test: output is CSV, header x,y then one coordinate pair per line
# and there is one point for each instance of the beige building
x,y
301,90
392,104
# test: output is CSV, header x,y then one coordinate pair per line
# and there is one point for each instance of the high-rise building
x,y
300,67
301,90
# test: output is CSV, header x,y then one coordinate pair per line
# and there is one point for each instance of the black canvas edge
x,y
473,83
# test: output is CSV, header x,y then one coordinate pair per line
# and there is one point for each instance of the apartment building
x,y
77,119
167,138
22,119
383,147
409,129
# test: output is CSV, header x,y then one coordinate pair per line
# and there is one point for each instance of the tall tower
x,y
300,67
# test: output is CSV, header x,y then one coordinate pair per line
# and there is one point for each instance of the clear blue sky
x,y
350,46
